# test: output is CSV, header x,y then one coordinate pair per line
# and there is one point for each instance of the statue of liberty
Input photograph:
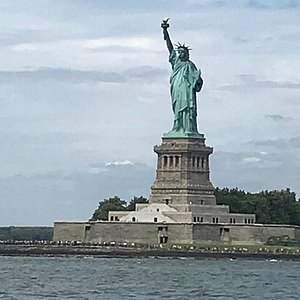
x,y
185,82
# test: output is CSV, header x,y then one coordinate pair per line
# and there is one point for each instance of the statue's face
x,y
183,54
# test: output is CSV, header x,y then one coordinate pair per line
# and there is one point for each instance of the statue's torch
x,y
165,25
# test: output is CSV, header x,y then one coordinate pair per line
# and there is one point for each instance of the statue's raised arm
x,y
185,82
165,25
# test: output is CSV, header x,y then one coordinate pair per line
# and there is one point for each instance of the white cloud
x,y
130,42
263,153
105,44
119,163
252,159
25,47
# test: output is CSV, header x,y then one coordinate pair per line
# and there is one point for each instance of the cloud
x,y
257,4
255,171
119,163
145,72
248,160
121,45
109,43
42,198
273,4
250,81
275,84
251,159
278,118
57,74
280,143
80,76
293,142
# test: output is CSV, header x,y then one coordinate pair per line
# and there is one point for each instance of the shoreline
x,y
64,251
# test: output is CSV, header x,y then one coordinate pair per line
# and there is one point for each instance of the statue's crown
x,y
182,46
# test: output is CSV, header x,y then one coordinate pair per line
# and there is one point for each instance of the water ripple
x,y
30,278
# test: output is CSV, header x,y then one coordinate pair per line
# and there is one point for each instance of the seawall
x,y
108,251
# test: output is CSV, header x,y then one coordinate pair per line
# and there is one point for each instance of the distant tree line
x,y
277,207
32,233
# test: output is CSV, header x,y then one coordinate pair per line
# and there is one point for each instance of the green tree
x,y
106,205
277,207
281,206
262,208
235,198
295,216
135,200
26,233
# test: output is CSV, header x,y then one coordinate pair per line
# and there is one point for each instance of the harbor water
x,y
28,278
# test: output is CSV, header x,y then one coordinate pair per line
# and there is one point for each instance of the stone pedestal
x,y
182,175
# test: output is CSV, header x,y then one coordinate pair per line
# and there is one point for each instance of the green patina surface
x,y
182,134
185,82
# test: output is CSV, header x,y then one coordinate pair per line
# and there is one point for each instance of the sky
x,y
84,97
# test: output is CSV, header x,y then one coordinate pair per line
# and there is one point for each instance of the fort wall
x,y
181,233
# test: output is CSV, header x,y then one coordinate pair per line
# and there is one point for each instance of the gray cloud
x,y
293,142
27,36
276,84
120,49
279,143
45,139
245,160
79,76
240,40
267,171
74,76
277,118
250,81
42,198
145,72
257,4
273,4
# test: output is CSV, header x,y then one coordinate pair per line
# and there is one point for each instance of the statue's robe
x,y
185,82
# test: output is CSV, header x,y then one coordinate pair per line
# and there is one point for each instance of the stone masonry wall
x,y
206,234
69,231
121,231
129,232
139,232
259,233
181,233
240,234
